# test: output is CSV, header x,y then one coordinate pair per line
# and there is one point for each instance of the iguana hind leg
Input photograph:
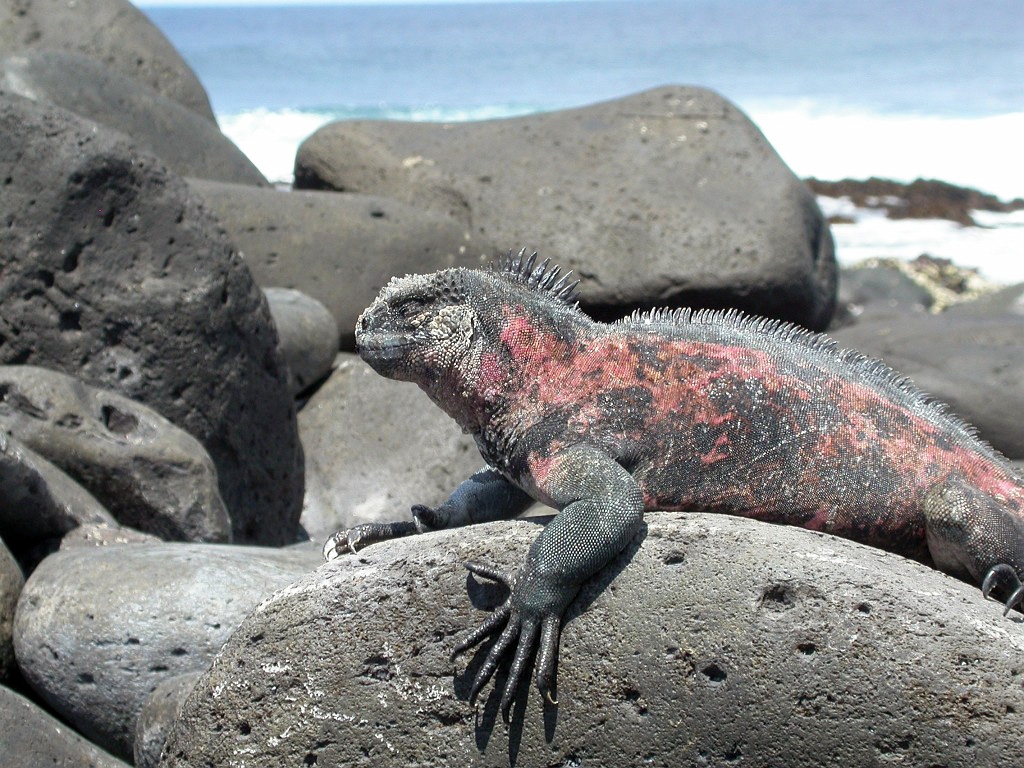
x,y
974,535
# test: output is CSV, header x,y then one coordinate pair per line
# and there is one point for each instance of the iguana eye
x,y
409,306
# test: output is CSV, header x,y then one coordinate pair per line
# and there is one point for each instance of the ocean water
x,y
841,88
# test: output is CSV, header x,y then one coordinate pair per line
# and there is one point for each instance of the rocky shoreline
x,y
183,420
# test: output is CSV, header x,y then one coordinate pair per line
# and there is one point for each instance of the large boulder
x,y
112,270
32,738
710,641
113,32
99,628
339,249
667,197
971,356
375,448
148,473
189,144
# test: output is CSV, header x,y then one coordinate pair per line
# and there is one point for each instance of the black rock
x,y
113,271
114,32
189,144
667,197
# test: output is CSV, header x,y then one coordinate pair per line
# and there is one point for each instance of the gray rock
x,y
189,144
307,336
113,32
157,717
11,582
1008,301
148,473
667,197
974,361
375,447
718,640
99,628
32,738
39,504
112,270
103,535
338,248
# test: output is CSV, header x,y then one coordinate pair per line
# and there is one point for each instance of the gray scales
x,y
674,410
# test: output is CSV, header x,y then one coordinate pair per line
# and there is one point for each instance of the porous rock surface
x,y
113,32
158,716
307,336
970,356
338,248
112,270
718,640
32,738
374,448
148,473
99,628
666,197
190,145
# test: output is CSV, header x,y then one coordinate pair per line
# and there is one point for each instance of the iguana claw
x,y
514,627
347,541
1000,573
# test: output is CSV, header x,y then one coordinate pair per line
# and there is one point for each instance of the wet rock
x,y
157,717
148,473
375,448
99,628
112,270
710,639
11,582
307,336
31,737
667,197
338,248
113,32
189,144
39,503
968,358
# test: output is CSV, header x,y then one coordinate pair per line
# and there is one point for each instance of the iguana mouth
x,y
381,347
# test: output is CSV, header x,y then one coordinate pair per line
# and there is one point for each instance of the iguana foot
x,y
1006,574
515,626
351,539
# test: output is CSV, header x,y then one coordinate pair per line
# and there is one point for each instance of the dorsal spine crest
x,y
543,277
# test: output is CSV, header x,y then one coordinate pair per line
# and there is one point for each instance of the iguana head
x,y
446,331
419,327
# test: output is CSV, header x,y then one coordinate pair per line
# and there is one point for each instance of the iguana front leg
x,y
484,497
601,510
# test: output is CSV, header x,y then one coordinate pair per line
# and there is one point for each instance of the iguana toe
x,y
1003,573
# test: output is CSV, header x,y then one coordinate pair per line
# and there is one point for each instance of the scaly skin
x,y
702,411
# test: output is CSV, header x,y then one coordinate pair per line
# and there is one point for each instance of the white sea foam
x,y
995,248
985,153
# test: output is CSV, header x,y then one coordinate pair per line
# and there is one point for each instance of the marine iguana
x,y
673,410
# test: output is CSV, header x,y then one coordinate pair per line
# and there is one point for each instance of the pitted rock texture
x,y
375,448
148,473
709,641
337,248
99,628
113,32
669,197
190,145
113,271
